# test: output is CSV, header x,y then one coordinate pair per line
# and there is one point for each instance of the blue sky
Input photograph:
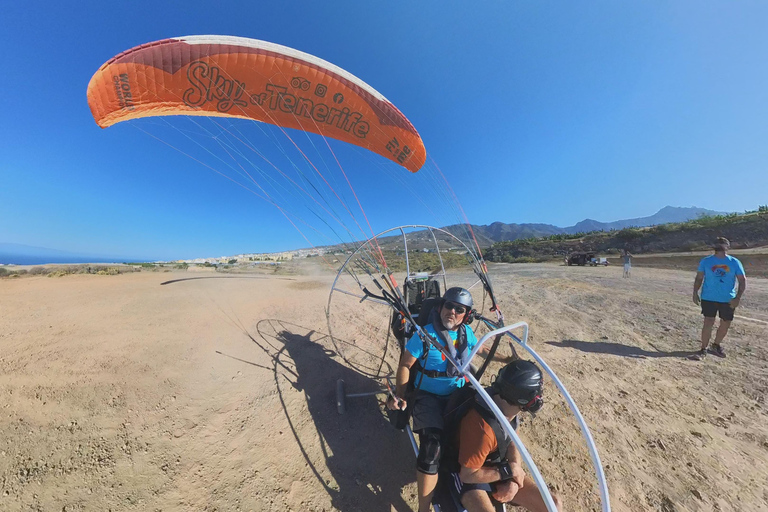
x,y
535,112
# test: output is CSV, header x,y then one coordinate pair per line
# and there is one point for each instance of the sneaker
x,y
700,355
717,350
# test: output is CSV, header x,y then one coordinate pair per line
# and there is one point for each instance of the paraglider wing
x,y
251,79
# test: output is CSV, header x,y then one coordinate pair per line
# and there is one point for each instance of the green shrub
x,y
108,271
507,258
711,221
664,228
3,271
628,234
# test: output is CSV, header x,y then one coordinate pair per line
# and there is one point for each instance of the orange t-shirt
x,y
476,440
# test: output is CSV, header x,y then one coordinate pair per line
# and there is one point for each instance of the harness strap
x,y
502,440
433,373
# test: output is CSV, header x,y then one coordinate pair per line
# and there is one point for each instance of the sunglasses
x,y
458,308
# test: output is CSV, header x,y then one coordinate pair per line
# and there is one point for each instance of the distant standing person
x,y
627,262
719,274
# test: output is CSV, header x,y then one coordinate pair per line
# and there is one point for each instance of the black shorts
x,y
428,410
460,488
710,309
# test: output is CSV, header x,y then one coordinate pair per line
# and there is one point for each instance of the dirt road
x,y
200,392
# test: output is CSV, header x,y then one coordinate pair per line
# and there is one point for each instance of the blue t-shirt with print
x,y
720,277
437,385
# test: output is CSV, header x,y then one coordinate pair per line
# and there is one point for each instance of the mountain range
x,y
500,232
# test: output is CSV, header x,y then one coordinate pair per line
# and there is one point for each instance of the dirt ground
x,y
182,391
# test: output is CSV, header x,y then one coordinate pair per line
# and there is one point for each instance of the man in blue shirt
x,y
719,274
435,380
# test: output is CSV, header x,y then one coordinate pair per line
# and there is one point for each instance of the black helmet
x,y
459,296
520,383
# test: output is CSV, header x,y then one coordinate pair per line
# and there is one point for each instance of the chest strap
x,y
434,374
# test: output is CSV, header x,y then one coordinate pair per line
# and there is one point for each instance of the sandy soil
x,y
201,392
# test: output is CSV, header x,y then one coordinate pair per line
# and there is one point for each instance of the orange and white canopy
x,y
246,78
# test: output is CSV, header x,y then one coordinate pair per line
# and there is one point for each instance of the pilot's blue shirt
x,y
435,362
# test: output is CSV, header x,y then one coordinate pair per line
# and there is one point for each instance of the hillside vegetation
x,y
743,230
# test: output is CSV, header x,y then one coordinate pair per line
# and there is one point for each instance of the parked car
x,y
580,258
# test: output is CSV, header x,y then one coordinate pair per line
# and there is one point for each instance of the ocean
x,y
26,259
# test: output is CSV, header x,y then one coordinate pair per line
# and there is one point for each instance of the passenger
x,y
436,379
492,467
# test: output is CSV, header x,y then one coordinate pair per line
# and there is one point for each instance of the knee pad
x,y
428,459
